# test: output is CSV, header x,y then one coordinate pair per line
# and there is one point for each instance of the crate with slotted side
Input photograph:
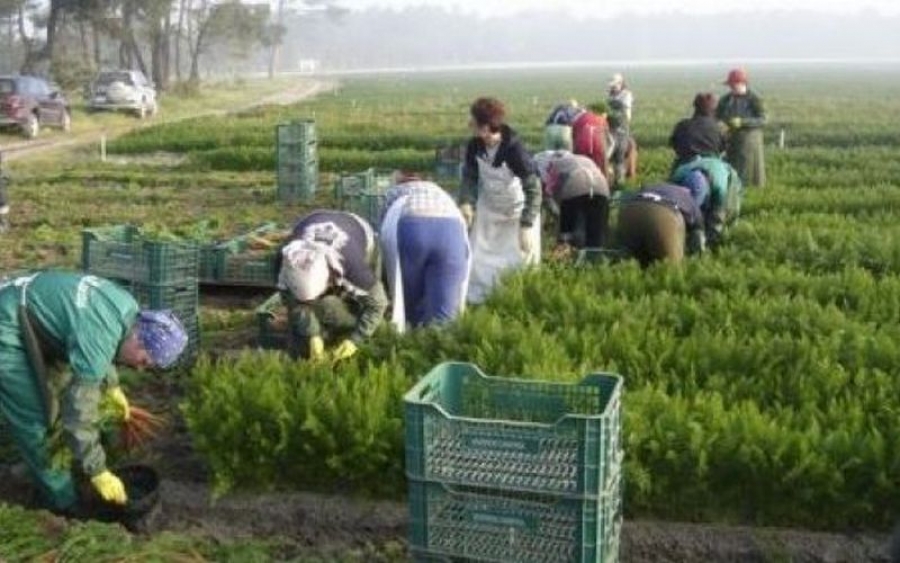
x,y
450,523
122,252
464,427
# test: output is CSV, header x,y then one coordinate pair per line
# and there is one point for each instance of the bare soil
x,y
309,524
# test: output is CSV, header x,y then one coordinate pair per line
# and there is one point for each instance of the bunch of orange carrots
x,y
141,427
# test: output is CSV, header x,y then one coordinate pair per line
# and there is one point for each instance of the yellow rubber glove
x,y
526,241
735,123
316,348
110,487
468,214
118,398
345,350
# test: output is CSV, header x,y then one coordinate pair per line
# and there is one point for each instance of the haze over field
x,y
174,40
404,33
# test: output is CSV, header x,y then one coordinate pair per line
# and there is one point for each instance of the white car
x,y
127,90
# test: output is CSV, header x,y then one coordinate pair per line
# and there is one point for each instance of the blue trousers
x,y
434,262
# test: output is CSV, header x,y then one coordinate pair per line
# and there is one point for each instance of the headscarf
x,y
307,267
162,335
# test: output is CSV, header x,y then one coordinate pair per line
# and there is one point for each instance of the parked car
x,y
127,90
29,103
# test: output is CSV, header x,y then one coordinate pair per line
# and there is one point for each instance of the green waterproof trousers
x,y
22,406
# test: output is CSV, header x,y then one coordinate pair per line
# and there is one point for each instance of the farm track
x,y
322,525
24,149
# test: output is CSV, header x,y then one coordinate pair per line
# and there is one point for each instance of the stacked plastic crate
x,y
448,161
510,470
363,193
160,275
297,161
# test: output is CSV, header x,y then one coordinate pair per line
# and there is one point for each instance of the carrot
x,y
141,427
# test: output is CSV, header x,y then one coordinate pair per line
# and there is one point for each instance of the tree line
x,y
165,39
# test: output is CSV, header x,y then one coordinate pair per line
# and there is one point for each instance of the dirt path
x,y
24,149
316,525
312,524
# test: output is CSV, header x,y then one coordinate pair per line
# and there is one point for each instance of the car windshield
x,y
108,78
7,86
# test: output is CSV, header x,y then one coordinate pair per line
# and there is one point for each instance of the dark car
x,y
29,103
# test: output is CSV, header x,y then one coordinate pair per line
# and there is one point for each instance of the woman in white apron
x,y
500,180
426,253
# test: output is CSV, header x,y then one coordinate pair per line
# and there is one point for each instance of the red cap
x,y
736,76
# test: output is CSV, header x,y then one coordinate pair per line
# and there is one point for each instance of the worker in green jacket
x,y
743,113
49,319
725,190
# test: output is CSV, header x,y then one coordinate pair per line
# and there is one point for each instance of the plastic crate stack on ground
x,y
514,470
363,193
297,161
448,162
160,275
249,260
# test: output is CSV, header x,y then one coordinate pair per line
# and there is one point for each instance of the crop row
x,y
757,396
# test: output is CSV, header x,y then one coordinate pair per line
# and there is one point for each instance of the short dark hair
x,y
488,112
705,104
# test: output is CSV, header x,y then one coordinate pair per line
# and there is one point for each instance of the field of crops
x,y
761,381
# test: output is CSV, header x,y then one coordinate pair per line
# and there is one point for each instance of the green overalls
x,y
73,319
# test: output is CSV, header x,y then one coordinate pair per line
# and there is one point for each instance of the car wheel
x,y
31,127
66,123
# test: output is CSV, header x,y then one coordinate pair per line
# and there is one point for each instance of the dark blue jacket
x,y
677,197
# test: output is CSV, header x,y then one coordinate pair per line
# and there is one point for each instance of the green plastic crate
x,y
236,264
181,296
296,131
120,252
297,166
207,272
273,334
448,161
455,523
368,206
364,193
466,428
347,186
297,153
298,182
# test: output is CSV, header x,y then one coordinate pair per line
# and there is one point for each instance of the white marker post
x,y
103,147
781,139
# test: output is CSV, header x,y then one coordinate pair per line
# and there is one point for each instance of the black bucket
x,y
142,487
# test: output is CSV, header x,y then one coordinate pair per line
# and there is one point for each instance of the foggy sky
x,y
435,35
601,8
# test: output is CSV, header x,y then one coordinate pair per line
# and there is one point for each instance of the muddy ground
x,y
312,524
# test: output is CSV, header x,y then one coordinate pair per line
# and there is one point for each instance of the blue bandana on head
x,y
163,336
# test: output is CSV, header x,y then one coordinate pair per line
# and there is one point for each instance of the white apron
x,y
390,255
495,234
